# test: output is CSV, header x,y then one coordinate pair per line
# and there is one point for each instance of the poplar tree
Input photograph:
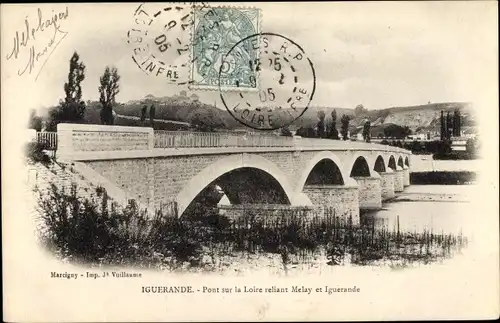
x,y
344,120
321,124
72,108
334,134
366,131
109,88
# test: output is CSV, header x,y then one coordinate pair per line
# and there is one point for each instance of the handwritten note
x,y
33,46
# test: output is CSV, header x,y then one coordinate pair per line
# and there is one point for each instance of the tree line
x,y
440,149
450,125
322,130
72,108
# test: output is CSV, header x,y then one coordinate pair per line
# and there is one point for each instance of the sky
x,y
376,54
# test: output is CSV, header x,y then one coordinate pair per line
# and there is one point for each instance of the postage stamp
x,y
287,82
216,31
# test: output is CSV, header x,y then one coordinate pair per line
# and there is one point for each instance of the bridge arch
x,y
257,165
407,161
392,163
401,162
360,167
379,165
320,161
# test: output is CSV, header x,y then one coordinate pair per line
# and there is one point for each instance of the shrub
x,y
98,232
454,155
306,132
35,153
286,132
442,178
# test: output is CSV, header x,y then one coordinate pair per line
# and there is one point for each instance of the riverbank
x,y
443,178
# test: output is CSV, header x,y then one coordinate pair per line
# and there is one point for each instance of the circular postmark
x,y
161,41
271,90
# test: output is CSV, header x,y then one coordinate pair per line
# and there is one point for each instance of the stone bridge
x,y
295,172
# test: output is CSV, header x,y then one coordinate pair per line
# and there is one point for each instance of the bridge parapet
x,y
83,141
187,139
78,138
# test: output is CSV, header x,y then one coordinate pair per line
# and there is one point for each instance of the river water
x,y
437,208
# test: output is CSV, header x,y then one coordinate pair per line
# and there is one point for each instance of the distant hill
x,y
183,108
180,108
421,118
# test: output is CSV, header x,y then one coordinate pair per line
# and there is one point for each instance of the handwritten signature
x,y
29,36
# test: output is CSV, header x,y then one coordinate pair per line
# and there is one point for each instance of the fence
x,y
167,139
187,139
48,139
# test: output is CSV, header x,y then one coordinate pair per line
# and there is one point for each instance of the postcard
x,y
257,161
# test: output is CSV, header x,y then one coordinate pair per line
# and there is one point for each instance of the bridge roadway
x,y
315,174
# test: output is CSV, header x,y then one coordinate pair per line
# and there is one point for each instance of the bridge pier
x,y
343,199
387,184
263,212
406,170
399,179
370,191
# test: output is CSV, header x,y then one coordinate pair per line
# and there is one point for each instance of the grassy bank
x,y
442,177
96,234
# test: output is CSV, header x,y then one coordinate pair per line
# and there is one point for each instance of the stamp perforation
x,y
217,88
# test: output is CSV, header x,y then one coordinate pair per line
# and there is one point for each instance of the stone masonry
x,y
370,192
156,177
406,176
399,179
387,184
343,199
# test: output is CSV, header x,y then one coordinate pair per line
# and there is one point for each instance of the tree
x,y
109,88
35,122
359,110
321,124
443,126
152,111
306,132
366,131
406,131
334,134
143,113
344,120
456,123
416,147
444,147
202,123
205,119
449,126
471,147
72,109
286,132
396,131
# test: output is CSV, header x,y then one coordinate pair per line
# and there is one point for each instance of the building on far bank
x,y
418,136
459,143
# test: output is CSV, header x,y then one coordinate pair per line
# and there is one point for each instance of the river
x,y
425,163
440,208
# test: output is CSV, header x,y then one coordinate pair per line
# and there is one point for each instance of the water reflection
x,y
450,215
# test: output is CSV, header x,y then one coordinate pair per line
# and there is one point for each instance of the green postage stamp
x,y
218,31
